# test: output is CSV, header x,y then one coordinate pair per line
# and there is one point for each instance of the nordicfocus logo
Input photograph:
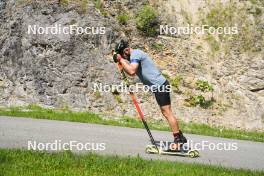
x,y
67,30
71,145
138,87
203,145
198,30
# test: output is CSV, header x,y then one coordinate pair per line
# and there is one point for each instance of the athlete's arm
x,y
130,69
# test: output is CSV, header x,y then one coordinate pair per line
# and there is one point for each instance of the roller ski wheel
x,y
197,154
193,153
152,149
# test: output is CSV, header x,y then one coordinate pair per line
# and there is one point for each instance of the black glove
x,y
117,57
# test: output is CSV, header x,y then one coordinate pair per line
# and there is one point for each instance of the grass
x,y
19,162
99,5
123,19
213,43
34,111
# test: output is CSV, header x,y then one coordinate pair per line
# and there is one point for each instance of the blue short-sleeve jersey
x,y
147,71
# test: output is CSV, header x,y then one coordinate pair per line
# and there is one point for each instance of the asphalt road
x,y
22,132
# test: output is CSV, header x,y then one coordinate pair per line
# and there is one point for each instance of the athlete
x,y
137,62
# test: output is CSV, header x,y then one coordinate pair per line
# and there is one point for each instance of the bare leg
x,y
168,114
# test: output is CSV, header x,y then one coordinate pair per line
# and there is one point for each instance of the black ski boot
x,y
179,138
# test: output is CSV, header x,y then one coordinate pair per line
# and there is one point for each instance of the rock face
x,y
60,70
236,73
53,70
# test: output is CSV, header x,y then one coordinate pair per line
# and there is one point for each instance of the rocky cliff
x,y
59,71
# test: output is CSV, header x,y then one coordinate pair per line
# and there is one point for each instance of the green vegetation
x,y
99,6
34,111
199,47
247,34
219,13
204,86
98,94
176,81
213,43
157,47
147,20
118,99
82,4
123,19
195,100
21,162
37,112
257,11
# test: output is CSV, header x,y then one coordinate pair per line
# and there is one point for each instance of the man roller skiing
x,y
137,62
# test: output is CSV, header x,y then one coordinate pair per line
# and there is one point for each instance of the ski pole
x,y
141,115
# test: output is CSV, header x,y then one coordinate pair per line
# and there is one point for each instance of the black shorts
x,y
163,97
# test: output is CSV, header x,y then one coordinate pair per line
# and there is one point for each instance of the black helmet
x,y
121,46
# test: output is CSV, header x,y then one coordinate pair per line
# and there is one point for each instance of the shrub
x,y
175,82
118,99
199,100
195,100
123,19
147,20
204,86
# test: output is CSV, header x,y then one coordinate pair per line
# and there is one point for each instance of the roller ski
x,y
168,148
173,148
